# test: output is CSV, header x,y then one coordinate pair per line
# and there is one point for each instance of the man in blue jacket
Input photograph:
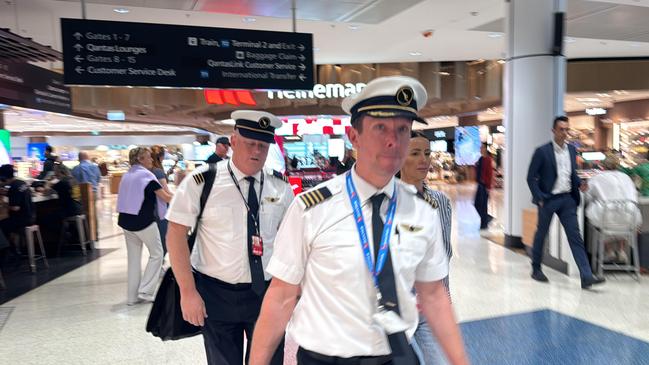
x,y
553,181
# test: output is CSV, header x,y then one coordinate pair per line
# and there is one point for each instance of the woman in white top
x,y
608,186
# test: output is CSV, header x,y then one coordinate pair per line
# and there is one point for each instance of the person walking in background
x,y
87,172
555,186
414,172
220,150
484,177
136,205
223,280
158,154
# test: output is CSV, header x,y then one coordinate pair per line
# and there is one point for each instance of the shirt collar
x,y
366,190
240,175
559,148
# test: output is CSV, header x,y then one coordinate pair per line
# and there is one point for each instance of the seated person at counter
x,y
605,187
67,189
21,206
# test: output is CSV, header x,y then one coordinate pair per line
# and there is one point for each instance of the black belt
x,y
356,360
223,284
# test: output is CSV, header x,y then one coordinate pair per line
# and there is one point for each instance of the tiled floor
x,y
82,317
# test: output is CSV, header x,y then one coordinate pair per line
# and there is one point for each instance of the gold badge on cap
x,y
264,122
404,96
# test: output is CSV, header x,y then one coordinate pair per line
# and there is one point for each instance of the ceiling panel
x,y
620,22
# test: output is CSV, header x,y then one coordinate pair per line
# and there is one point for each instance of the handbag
x,y
166,316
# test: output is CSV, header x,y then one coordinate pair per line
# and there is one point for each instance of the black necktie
x,y
402,353
256,268
386,277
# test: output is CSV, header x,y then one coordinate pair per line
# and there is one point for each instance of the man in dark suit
x,y
220,150
553,181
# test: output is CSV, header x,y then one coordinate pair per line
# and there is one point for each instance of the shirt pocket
x,y
409,250
270,214
218,223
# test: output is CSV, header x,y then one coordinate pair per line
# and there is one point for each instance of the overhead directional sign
x,y
138,54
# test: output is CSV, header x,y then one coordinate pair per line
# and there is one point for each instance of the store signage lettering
x,y
99,52
320,91
29,86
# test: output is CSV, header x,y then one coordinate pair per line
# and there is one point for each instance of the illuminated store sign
x,y
320,91
595,111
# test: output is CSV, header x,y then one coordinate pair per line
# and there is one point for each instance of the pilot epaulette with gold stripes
x,y
314,197
280,176
433,203
199,178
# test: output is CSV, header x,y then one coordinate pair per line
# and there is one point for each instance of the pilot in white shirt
x,y
223,284
335,237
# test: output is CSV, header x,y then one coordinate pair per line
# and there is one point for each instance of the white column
x,y
533,95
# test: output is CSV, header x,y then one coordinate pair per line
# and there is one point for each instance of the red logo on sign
x,y
232,97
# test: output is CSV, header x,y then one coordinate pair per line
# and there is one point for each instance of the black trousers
x,y
232,311
564,206
306,357
481,203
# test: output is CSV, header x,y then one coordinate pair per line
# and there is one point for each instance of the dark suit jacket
x,y
214,158
542,174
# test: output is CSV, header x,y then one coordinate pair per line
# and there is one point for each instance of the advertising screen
x,y
439,146
36,150
5,147
202,152
467,145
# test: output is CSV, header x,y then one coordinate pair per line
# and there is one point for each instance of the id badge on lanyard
x,y
390,321
257,241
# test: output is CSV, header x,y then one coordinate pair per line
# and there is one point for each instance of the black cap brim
x,y
256,135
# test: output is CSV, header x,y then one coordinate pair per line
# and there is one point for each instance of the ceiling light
x,y
569,40
442,73
249,19
353,27
228,121
121,10
502,62
414,53
495,35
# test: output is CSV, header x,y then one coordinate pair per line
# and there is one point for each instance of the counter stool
x,y
30,231
83,231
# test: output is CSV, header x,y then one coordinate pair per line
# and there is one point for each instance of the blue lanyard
x,y
362,231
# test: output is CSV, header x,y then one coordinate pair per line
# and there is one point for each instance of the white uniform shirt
x,y
319,249
564,169
221,248
608,186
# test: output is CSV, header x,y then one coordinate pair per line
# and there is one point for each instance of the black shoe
x,y
594,280
538,275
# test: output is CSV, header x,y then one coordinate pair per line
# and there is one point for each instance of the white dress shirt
x,y
605,187
564,169
221,248
319,249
